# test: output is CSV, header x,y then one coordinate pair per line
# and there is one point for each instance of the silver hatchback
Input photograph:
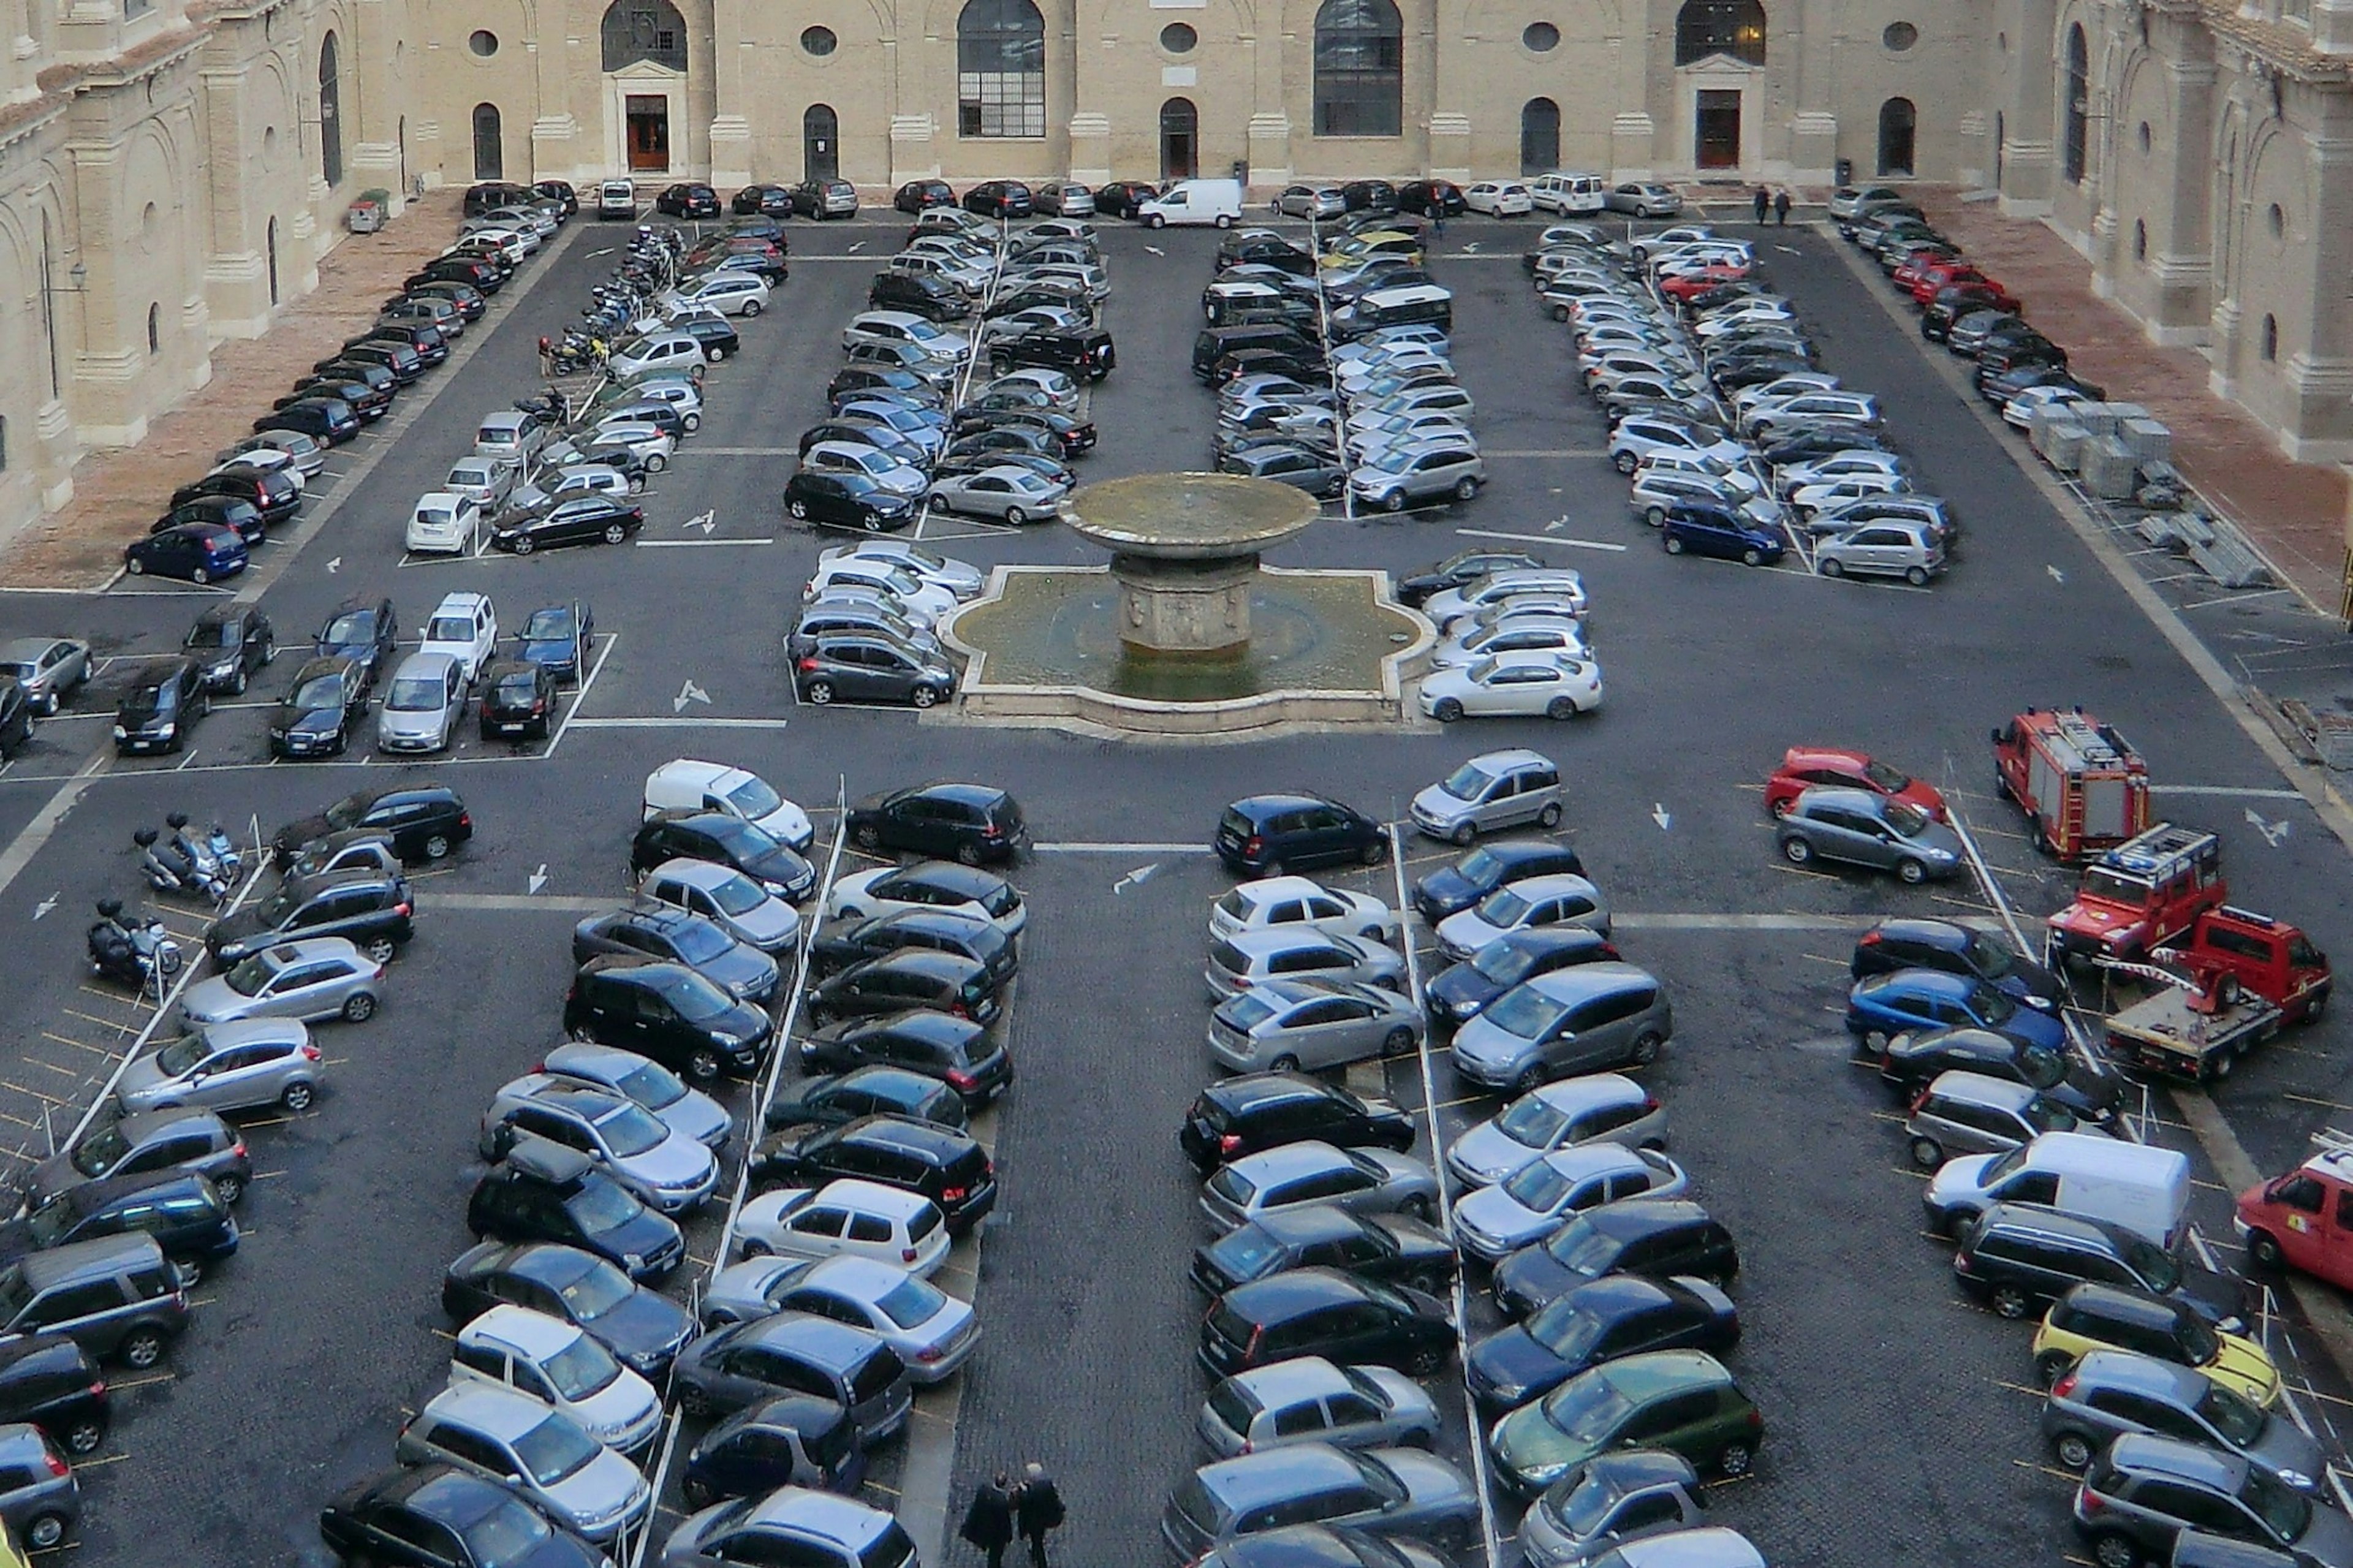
x,y
1971,1114
1493,790
1309,1400
1862,828
535,1451
1363,1180
423,704
1280,1025
316,978
227,1067
1884,547
1253,957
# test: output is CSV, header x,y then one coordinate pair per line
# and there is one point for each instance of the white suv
x,y
466,627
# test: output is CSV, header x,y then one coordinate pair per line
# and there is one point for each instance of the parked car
x,y
642,1328
1915,1000
373,911
1258,1112
427,821
142,1141
544,1192
1634,1508
538,1451
165,699
47,671
1604,1319
2146,1492
1308,1399
1366,1181
472,1522
938,1163
667,1013
2093,1316
1267,835
1859,828
196,552
116,1297
1384,1491
308,980
1683,1401
1657,1237
1390,1249
1602,1107
795,1440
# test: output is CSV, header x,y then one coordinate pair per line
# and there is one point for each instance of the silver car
x,y
650,1085
1530,1203
1009,494
1864,828
1882,548
1381,1491
309,980
961,578
753,1289
1254,957
485,481
1558,1116
1309,1400
726,898
1971,1114
1363,1180
933,1331
1553,637
537,1452
50,669
227,1067
1282,1024
1588,1018
1558,898
671,1172
1452,604
1491,791
423,704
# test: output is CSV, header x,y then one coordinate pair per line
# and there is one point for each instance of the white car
x,y
922,601
567,484
846,1218
934,1333
900,327
1553,636
1453,604
1301,904
1795,385
1635,439
1691,466
1513,686
444,521
1808,500
2020,410
1499,198
1532,1202
961,578
685,784
268,460
1555,898
1058,387
1009,494
551,1360
465,626
869,894
649,444
1649,245
894,476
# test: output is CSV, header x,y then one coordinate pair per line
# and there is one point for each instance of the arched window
x,y
270,243
1897,122
2078,109
1539,136
2271,338
1000,70
156,330
490,145
638,30
1359,68
330,113
1735,27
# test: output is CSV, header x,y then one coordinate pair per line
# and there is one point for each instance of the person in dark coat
x,y
988,1522
1039,1508
1781,207
1764,200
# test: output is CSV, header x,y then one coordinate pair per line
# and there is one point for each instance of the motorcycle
x,y
215,854
136,955
168,870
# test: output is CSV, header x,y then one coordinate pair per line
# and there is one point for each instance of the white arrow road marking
x,y
607,251
1136,878
1156,250
538,879
856,247
1471,248
1786,249
687,693
2272,832
1658,814
45,906
1556,524
335,565
2056,576
705,520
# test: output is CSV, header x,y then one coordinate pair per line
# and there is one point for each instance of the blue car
x,y
1697,529
1912,943
560,638
194,552
1915,999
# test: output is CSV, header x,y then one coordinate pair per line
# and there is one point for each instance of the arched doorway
x,y
1539,136
644,44
331,114
489,144
1180,139
269,254
1898,122
820,142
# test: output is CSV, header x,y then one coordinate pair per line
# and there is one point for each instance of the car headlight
x,y
773,887
120,733
2299,1479
167,730
632,1262
722,1037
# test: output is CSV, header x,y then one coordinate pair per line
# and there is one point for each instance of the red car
x,y
1945,275
1805,767
1685,285
1908,271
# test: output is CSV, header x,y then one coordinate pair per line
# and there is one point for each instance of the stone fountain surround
x,y
1089,710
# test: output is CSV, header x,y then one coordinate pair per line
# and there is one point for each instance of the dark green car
x,y
1683,1401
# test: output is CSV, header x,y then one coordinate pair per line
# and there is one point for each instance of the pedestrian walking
x,y
1437,221
1038,1506
1781,207
547,358
988,1522
1764,200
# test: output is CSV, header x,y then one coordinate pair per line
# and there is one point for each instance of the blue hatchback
x,y
1700,529
1915,999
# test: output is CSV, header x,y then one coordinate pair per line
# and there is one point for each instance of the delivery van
x,y
2143,1189
1219,201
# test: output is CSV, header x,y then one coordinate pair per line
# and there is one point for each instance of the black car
x,y
468,299
777,201
1949,305
1617,1315
666,936
54,1384
911,977
1000,199
181,1209
1453,888
1956,949
544,1192
867,1091
1247,248
426,820
864,431
718,337
518,699
488,195
690,198
1121,197
936,1162
958,1052
404,362
667,1013
373,910
1086,355
1287,463
16,716
967,822
793,1439
161,703
933,298
841,943
367,401
270,492
1756,370
217,512
1660,1238
852,379
1464,567
847,501
319,711
471,270
997,410
229,642
1245,1114
576,520
917,194
1369,195
1433,198
1394,1248
330,421
2016,1257
361,630
1460,991
1804,446
560,192
422,337
1912,1060
643,1329
1323,1312
559,636
436,1516
724,841
1267,835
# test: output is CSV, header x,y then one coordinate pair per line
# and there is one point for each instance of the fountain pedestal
x,y
1185,609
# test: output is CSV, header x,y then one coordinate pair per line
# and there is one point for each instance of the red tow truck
x,y
2236,979
2304,1219
2138,896
2082,785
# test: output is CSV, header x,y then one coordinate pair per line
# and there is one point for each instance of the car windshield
x,y
98,1155
1587,1507
1246,1252
580,1369
554,1449
2041,1068
1992,1008
1503,907
416,694
223,635
1991,958
652,1086
601,1205
1482,866
595,1292
696,999
247,978
347,812
1469,782
182,1055
1581,1248
1530,1121
753,798
546,626
2285,1513
1587,1408
320,691
509,1534
737,896
2238,1422
2047,1115
2100,882
910,1302
1525,1012
628,1131
1906,820
1539,1187
1566,1331
519,687
700,942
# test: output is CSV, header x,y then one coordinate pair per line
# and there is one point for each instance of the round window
x,y
1178,39
818,41
483,42
1899,35
1541,37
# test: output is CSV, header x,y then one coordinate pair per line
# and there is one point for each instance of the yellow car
x,y
2098,1317
12,1556
1357,248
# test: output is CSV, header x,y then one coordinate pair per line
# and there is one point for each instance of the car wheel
x,y
697,1492
1225,220
1015,516
200,576
2073,1450
870,521
1271,870
1446,710
1284,1063
522,545
2009,1302
1911,872
1675,545
297,1096
693,1400
1752,557
1646,1048
136,566
1916,575
818,693
1735,1459
637,484
702,1065
969,854
2263,1252
1549,817
924,696
751,307
2113,1551
142,1348
85,1435
1157,221
1530,1082
1562,707
1560,313
380,949
1796,850
1656,516
1927,1154
868,837
1374,853
437,848
1464,832
1466,489
1393,501
187,1273
44,1531
359,1007
231,1187
1399,1041
656,462
615,533
715,351
240,681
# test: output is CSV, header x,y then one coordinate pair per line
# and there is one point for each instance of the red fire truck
x,y
2138,895
2082,785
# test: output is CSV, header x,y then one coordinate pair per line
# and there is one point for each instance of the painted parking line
x,y
696,543
553,903
681,721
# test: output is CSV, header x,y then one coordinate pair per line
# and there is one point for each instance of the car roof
x,y
1267,942
101,1254
826,1514
1255,1091
858,1279
1631,1218
497,1411
1866,801
873,1197
1583,981
696,873
534,1334
1591,1091
921,1138
2167,1457
1933,981
1286,1160
812,1338
2122,1306
1652,1372
1309,1223
2141,1374
426,663
1276,1474
1709,1546
1260,806
1288,1382
1979,1088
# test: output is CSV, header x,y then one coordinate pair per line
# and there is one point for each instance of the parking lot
x,y
1895,1411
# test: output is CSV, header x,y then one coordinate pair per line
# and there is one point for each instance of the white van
x,y
1410,305
2143,1189
1571,195
687,785
617,198
1194,201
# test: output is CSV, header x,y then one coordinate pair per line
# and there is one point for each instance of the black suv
x,y
2017,1258
163,703
668,1011
967,822
54,1384
936,1162
956,1051
643,1328
372,911
843,943
911,977
1264,1110
868,1091
273,494
1087,355
426,821
723,840
668,935
319,711
1267,834
1956,949
1656,1236
544,1192
229,642
1321,1312
181,1209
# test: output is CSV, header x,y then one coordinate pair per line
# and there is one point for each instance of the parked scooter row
x,y
207,865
